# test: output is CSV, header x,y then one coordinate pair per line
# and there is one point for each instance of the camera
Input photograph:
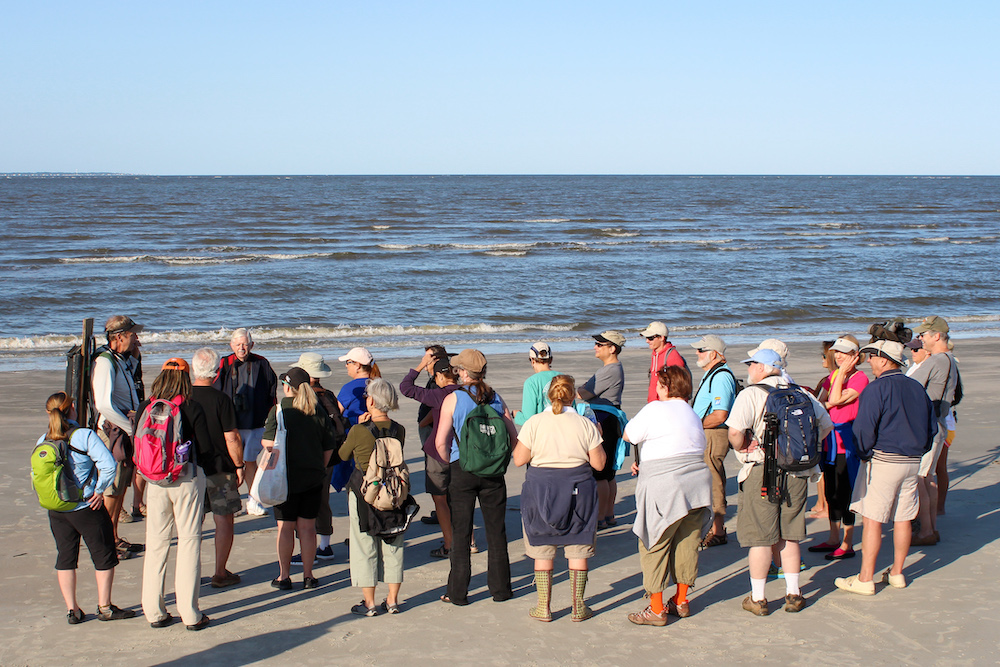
x,y
894,330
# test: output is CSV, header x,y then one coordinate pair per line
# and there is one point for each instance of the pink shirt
x,y
841,414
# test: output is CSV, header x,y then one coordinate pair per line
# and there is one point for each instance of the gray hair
x,y
383,395
771,370
205,364
241,333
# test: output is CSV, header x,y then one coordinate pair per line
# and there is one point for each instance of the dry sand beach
x,y
948,615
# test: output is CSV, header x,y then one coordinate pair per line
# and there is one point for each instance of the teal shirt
x,y
718,394
533,398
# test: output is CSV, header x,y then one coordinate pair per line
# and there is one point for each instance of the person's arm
x,y
529,402
521,454
442,441
724,384
270,428
839,395
272,382
234,445
509,423
104,385
407,387
105,464
865,426
598,457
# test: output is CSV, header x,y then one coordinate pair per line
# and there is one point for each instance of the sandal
x,y
124,545
714,540
440,552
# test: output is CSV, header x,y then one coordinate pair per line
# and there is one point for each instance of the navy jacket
x,y
894,416
253,397
559,505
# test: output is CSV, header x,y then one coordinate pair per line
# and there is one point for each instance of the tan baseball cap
x,y
470,360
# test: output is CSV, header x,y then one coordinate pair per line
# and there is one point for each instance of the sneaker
x,y
894,580
282,584
113,613
200,625
309,582
361,609
75,617
324,554
852,585
757,608
229,579
794,603
682,610
255,509
648,617
297,559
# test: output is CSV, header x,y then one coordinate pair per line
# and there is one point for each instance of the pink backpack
x,y
161,453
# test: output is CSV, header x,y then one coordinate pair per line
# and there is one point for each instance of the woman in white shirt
x,y
673,495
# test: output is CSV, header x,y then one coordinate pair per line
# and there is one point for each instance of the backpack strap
x,y
707,381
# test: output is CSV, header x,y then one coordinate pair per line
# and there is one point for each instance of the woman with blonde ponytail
x,y
559,496
309,445
92,469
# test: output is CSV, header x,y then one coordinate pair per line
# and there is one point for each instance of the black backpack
x,y
797,444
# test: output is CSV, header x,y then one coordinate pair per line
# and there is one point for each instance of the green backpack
x,y
50,478
483,445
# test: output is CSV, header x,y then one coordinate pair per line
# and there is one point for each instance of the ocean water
x,y
395,262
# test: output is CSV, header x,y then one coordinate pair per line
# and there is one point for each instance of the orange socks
x,y
682,594
656,602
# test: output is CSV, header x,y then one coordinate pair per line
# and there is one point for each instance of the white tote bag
x,y
270,486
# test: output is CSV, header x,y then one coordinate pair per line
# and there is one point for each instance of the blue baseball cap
x,y
766,357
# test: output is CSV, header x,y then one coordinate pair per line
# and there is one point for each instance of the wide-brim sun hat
x,y
314,364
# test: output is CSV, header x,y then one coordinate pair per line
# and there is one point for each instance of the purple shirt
x,y
433,398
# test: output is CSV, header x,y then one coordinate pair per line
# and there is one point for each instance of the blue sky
x,y
514,87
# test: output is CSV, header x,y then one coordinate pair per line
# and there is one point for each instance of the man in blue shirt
x,y
895,426
712,403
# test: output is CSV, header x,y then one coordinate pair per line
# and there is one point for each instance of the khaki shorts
x,y
124,471
548,551
886,491
437,476
222,495
760,523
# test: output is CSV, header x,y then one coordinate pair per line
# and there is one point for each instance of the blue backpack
x,y
798,446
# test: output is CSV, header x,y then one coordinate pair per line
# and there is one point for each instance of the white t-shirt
x,y
559,441
666,429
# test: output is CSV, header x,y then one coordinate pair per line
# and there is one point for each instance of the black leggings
x,y
838,490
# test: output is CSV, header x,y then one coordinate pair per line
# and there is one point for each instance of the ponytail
x,y
562,390
58,406
305,399
372,370
484,394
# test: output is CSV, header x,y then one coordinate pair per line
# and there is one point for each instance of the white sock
x,y
792,583
757,589
324,541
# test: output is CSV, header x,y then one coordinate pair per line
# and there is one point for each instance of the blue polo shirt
x,y
718,393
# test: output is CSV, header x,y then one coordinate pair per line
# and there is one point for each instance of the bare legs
x,y
286,544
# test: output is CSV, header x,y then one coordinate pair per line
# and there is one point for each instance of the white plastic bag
x,y
270,486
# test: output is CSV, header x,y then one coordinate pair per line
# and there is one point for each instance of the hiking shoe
x,y
309,582
124,545
682,610
894,580
229,579
113,613
282,584
75,617
794,603
200,625
323,554
297,559
648,617
757,608
852,585
440,552
163,622
361,609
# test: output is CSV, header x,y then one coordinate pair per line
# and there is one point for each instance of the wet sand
x,y
947,615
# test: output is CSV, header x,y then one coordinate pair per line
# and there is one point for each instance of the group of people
x,y
882,442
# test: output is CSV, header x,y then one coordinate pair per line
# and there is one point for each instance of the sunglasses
x,y
653,337
603,345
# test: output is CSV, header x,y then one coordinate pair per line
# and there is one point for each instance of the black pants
x,y
838,490
491,492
